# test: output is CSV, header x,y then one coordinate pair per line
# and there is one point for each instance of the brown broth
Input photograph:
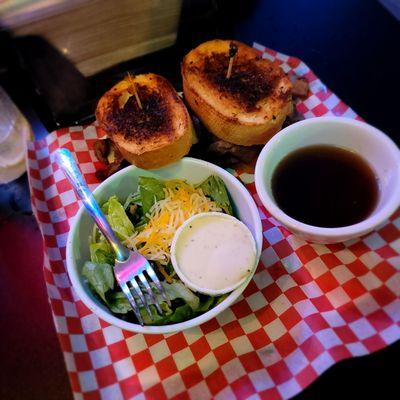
x,y
325,186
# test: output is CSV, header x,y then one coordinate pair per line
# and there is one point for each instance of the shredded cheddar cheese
x,y
181,202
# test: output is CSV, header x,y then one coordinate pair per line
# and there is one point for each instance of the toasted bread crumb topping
x,y
249,82
140,124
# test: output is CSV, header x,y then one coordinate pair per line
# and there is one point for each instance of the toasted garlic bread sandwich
x,y
146,120
244,103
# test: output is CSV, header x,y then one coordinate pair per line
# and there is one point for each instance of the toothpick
x,y
232,53
133,84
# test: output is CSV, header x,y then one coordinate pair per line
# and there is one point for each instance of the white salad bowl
x,y
122,184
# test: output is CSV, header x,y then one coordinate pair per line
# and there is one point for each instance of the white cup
x,y
370,143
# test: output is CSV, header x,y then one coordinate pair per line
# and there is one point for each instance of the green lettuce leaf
x,y
134,210
157,318
151,190
174,290
210,302
177,290
181,313
214,188
116,216
101,253
178,184
118,303
206,304
133,198
100,277
220,299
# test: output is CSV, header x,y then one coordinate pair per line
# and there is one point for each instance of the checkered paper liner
x,y
307,307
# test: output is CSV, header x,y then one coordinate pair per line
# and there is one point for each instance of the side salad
x,y
146,221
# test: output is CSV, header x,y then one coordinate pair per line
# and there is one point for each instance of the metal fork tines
x,y
131,277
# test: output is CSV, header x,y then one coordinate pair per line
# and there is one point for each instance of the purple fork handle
x,y
68,165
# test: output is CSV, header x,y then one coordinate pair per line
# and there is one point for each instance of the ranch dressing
x,y
213,253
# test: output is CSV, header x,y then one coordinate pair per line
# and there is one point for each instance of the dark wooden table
x,y
350,44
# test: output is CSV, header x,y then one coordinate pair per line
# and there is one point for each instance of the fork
x,y
130,266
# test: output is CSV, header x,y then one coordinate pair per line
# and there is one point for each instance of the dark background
x,y
352,46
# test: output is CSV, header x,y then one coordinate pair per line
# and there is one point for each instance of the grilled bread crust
x,y
246,109
150,137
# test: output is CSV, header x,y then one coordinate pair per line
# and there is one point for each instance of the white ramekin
x,y
184,231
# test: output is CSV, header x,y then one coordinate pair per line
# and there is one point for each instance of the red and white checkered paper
x,y
307,307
